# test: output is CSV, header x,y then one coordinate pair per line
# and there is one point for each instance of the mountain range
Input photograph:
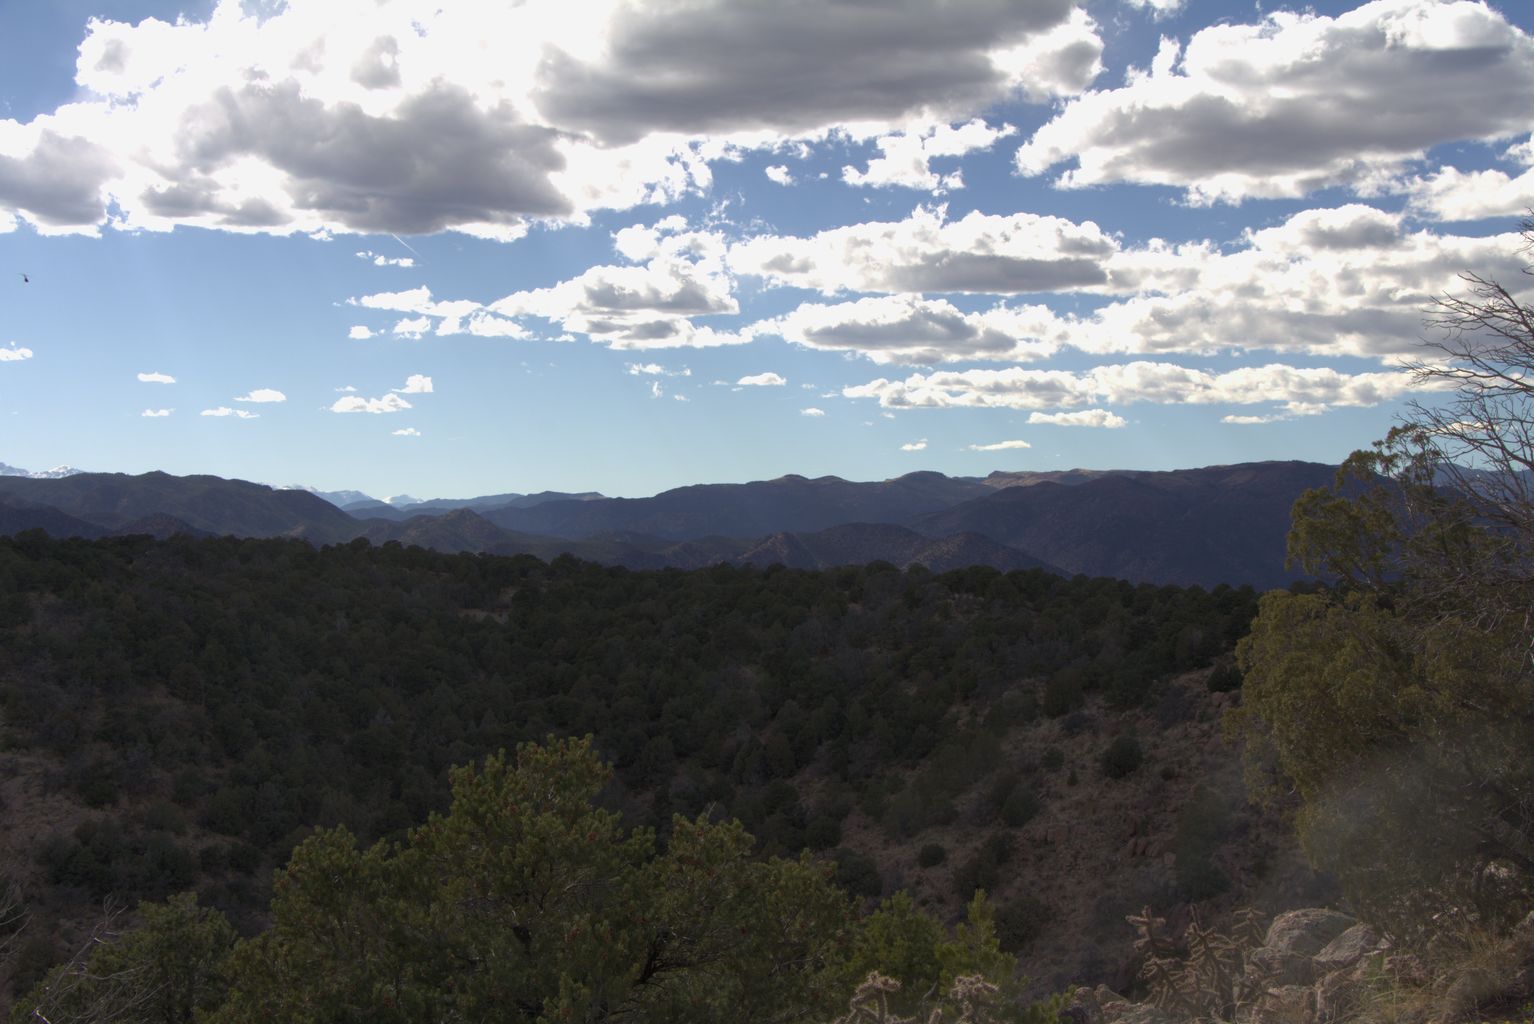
x,y
1219,524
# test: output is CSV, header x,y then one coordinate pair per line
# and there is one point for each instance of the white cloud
x,y
1347,281
681,398
778,174
263,395
390,402
915,446
415,384
1249,421
156,413
762,380
1450,194
13,354
385,261
906,159
999,446
156,378
369,116
407,432
656,391
359,333
411,327
1159,8
656,370
812,412
1300,389
224,410
346,389
907,329
1001,254
1082,418
1298,102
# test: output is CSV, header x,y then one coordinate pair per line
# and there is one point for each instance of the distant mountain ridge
x,y
56,473
1218,524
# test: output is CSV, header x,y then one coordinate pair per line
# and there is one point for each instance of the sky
x,y
462,247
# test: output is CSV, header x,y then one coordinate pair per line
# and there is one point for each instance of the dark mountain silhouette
x,y
1221,524
372,509
209,503
17,516
789,504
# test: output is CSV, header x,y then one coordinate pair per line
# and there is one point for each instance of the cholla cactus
x,y
971,1000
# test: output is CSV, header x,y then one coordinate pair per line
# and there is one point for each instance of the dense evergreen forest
x,y
207,703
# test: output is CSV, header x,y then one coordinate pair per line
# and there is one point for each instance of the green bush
x,y
1122,757
1021,921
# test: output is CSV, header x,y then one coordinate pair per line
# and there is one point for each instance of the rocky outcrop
x,y
1322,967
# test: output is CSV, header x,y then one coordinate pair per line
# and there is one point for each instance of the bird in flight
x,y
25,279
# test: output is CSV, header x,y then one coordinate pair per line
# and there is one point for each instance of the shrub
x,y
1021,921
1122,757
1020,807
931,855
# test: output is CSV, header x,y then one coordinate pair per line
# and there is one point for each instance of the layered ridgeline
x,y
179,715
1202,526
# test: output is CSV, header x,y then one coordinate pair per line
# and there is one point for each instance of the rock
x,y
1269,966
1287,1004
1339,992
1142,1013
1306,932
1347,949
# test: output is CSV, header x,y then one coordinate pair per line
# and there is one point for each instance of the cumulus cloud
x,y
1000,254
778,174
14,354
999,446
346,389
1081,418
412,328
375,116
812,411
156,378
156,413
379,260
224,410
906,157
762,380
1159,8
407,432
1346,281
1450,194
415,384
679,275
359,333
655,370
1298,389
1297,102
1251,421
906,329
915,446
390,402
263,395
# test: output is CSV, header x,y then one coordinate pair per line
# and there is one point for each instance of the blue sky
x,y
402,246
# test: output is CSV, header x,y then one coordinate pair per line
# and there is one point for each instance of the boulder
x,y
1293,939
1306,932
1347,949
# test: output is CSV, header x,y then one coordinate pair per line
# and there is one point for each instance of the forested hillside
x,y
179,714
